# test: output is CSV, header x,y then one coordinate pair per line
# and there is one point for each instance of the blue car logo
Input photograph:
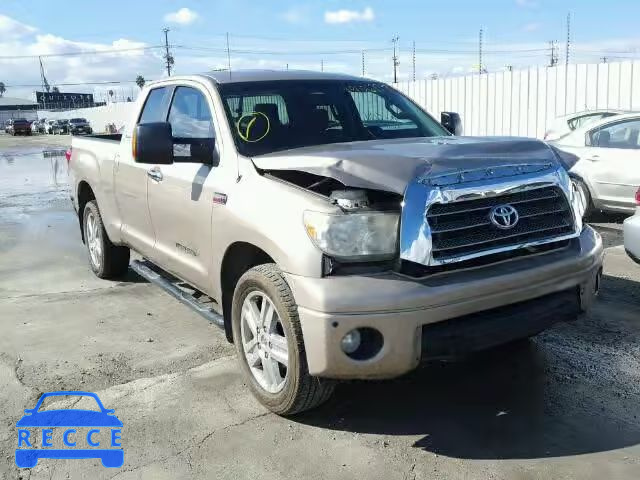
x,y
104,429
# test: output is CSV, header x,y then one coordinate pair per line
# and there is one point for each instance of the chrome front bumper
x,y
398,307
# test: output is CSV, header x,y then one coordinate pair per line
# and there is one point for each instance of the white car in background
x,y
561,126
632,233
603,157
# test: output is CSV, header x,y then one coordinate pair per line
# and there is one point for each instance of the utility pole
x,y
553,56
396,62
568,45
414,61
167,56
45,84
228,56
363,63
480,52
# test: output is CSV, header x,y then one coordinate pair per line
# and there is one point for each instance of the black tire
x,y
301,391
113,260
588,211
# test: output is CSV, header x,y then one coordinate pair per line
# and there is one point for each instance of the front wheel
x,y
106,259
270,346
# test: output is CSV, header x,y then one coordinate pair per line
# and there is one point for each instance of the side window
x,y
154,106
619,135
192,126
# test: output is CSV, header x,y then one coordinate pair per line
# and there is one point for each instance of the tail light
x,y
67,155
638,197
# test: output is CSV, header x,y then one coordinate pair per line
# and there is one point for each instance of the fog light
x,y
351,341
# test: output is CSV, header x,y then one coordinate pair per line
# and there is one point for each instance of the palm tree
x,y
2,88
140,81
55,90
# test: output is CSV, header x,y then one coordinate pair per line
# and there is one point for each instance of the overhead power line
x,y
82,52
73,84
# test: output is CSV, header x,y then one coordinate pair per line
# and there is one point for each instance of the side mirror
x,y
204,151
153,143
452,122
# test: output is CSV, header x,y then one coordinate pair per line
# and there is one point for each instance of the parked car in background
x,y
79,126
60,127
604,159
561,126
38,126
340,231
632,233
19,126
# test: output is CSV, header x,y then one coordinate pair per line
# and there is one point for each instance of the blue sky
x,y
303,34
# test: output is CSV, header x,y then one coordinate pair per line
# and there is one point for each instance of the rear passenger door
x,y
130,180
614,161
180,199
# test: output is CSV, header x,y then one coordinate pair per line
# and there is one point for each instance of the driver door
x,y
180,195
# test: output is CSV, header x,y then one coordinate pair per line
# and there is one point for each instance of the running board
x,y
145,270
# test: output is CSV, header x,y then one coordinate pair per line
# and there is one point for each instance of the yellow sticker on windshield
x,y
251,119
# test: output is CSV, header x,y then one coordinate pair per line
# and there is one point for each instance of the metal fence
x,y
525,102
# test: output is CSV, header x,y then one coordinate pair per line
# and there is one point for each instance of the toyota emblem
x,y
504,216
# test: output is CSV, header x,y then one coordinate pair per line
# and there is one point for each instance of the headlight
x,y
351,236
578,199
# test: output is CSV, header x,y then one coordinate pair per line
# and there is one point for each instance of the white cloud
x,y
10,28
531,27
348,16
527,3
184,16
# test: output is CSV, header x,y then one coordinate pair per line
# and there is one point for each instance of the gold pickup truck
x,y
336,229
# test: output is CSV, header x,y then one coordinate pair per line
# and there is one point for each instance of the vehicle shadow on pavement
x,y
132,277
508,403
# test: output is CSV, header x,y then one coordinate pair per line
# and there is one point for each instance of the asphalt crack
x,y
192,445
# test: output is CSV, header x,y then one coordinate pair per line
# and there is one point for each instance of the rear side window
x,y
154,109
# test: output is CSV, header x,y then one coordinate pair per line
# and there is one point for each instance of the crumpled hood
x,y
391,164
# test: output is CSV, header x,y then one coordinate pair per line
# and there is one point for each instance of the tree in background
x,y
110,92
2,88
140,81
55,90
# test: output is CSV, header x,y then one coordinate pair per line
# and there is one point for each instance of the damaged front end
x,y
361,234
448,216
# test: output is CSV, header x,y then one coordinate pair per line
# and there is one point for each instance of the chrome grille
x,y
463,228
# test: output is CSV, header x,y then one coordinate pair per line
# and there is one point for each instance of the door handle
x,y
155,174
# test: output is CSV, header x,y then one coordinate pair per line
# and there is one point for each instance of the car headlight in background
x,y
354,236
578,203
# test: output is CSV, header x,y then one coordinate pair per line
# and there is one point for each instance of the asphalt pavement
x,y
563,405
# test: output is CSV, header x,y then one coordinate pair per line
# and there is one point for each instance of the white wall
x,y
524,102
99,117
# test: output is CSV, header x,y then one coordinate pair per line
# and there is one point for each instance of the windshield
x,y
77,120
281,115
